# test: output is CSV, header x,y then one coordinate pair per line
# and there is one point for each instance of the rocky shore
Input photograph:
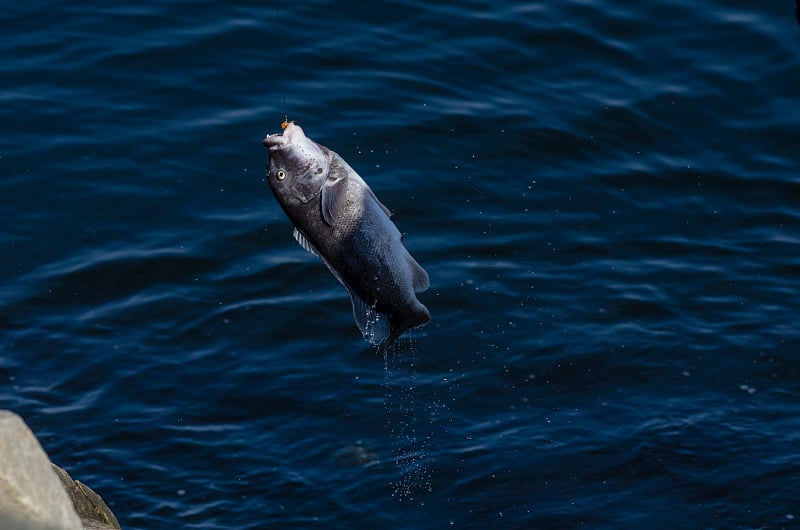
x,y
35,494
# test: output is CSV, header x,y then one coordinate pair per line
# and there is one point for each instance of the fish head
x,y
297,167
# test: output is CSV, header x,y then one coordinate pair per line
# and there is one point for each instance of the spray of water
x,y
407,420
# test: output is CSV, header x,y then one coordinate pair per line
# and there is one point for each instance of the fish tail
x,y
396,328
394,334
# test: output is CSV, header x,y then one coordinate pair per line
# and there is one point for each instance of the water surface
x,y
605,196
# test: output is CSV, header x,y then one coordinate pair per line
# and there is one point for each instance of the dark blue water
x,y
605,195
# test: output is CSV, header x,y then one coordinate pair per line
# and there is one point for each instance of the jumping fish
x,y
338,218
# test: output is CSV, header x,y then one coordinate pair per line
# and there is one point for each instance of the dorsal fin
x,y
419,278
375,198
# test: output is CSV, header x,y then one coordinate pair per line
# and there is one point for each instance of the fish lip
x,y
291,134
274,142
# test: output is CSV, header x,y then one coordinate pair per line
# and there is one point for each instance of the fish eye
x,y
280,174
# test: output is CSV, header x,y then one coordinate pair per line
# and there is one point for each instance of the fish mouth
x,y
296,151
291,134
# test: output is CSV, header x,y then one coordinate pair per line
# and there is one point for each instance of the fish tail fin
x,y
418,317
394,334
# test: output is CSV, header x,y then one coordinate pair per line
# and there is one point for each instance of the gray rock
x,y
31,495
94,513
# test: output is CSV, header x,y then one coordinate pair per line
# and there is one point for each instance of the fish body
x,y
338,218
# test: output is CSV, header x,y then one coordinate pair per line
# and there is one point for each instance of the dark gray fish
x,y
338,218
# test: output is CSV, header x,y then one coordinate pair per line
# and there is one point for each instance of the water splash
x,y
410,434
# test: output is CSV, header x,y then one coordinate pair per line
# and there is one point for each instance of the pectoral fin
x,y
334,193
333,199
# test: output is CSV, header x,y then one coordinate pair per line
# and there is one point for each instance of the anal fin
x,y
374,325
